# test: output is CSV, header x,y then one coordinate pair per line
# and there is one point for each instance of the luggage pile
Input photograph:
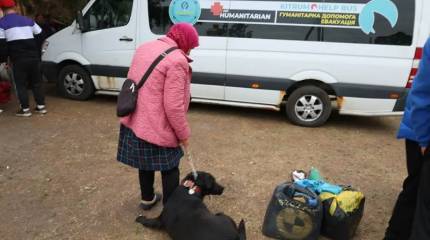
x,y
307,207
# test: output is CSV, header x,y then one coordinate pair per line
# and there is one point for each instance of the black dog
x,y
186,217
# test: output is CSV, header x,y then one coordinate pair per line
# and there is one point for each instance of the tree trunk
x,y
21,7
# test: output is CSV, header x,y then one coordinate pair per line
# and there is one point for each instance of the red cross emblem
x,y
217,9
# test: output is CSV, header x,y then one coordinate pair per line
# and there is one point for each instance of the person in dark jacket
x,y
411,215
20,42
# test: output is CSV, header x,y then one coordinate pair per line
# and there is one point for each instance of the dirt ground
x,y
59,178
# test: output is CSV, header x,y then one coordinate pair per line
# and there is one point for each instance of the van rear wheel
x,y
75,82
308,106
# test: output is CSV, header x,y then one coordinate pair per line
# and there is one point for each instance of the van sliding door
x,y
209,63
265,48
210,58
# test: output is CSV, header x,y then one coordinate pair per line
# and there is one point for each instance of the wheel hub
x,y
74,84
308,108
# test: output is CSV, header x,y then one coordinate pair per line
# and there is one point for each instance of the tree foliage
x,y
61,10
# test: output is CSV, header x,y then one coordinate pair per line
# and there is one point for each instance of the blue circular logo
x,y
187,11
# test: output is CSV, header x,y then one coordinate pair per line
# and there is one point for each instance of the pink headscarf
x,y
185,35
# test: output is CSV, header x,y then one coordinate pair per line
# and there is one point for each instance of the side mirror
x,y
80,21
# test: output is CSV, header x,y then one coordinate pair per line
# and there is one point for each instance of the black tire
x,y
308,114
75,82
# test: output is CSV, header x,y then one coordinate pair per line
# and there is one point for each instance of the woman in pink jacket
x,y
150,138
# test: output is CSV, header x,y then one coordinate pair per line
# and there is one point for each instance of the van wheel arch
x,y
83,86
310,82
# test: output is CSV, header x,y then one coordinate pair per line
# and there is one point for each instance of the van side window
x,y
105,14
159,21
294,21
400,34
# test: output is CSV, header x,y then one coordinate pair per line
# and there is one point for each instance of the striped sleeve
x,y
36,29
3,46
38,36
2,34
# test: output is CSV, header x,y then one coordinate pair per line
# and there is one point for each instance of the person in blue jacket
x,y
411,215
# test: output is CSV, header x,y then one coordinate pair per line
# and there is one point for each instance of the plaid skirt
x,y
143,155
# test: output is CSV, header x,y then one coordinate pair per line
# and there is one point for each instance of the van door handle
x,y
126,39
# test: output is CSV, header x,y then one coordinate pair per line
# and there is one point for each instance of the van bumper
x,y
369,107
401,102
50,70
370,114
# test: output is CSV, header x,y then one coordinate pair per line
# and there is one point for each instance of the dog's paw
x,y
141,219
149,222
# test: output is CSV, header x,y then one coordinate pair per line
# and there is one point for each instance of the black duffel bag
x,y
294,213
342,214
127,98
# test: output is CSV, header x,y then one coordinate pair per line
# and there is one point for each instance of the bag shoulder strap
x,y
153,65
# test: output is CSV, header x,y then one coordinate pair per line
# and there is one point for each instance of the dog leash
x,y
190,162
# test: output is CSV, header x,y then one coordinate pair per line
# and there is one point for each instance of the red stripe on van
x,y
418,56
414,71
411,77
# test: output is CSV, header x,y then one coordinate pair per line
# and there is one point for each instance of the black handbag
x,y
127,98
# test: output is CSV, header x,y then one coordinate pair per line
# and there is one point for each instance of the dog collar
x,y
192,187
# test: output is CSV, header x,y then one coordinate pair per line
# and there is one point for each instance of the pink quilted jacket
x,y
160,116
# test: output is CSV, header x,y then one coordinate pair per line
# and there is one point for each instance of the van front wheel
x,y
308,106
74,82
